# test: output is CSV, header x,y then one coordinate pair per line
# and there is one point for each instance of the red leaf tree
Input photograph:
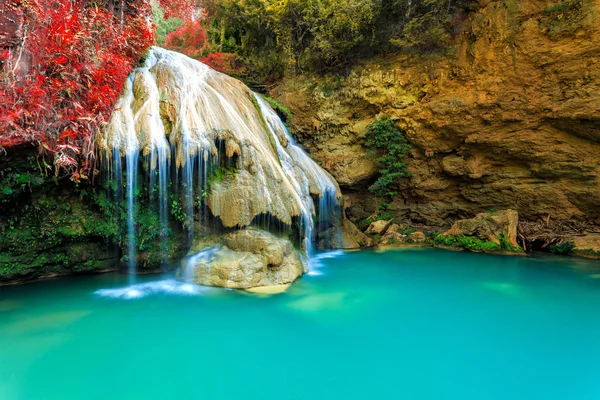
x,y
58,85
189,39
224,62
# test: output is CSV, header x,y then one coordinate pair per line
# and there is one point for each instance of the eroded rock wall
x,y
508,118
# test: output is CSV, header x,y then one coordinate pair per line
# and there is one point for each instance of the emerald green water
x,y
409,324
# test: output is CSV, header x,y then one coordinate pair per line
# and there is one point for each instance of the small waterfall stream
x,y
208,147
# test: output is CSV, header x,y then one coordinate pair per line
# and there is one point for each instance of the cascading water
x,y
132,174
296,158
214,149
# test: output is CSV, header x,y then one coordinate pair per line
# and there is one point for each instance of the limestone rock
x,y
393,228
391,238
587,246
348,237
378,227
418,237
511,120
269,290
251,258
488,226
180,107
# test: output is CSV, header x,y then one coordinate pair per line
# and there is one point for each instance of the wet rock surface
x,y
347,236
249,258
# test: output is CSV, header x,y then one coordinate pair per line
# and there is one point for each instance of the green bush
x,y
473,243
561,248
386,140
163,26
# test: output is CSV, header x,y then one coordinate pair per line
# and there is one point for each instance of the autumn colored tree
x,y
189,39
227,63
78,60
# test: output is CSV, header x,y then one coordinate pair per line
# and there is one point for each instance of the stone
x,y
418,237
481,135
490,226
378,227
348,237
394,228
259,242
176,99
391,238
587,246
250,258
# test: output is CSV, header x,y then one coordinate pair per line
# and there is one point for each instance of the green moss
x,y
383,214
563,19
587,252
282,111
54,226
473,243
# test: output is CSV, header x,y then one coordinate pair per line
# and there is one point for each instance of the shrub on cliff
x,y
326,35
387,141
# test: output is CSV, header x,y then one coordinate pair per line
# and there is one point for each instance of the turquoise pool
x,y
404,324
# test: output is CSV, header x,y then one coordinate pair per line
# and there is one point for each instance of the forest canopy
x,y
275,37
63,63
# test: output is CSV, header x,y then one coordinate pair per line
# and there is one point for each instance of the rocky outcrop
x,y
393,237
379,227
587,246
250,258
508,118
348,237
176,105
493,226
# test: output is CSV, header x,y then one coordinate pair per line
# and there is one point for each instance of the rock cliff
x,y
509,117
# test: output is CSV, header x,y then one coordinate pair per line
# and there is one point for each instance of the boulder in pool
x,y
250,258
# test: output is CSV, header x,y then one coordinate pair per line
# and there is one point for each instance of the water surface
x,y
408,324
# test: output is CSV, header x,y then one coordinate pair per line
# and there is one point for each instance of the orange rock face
x,y
508,118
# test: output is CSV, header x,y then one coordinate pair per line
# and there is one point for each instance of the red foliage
x,y
185,9
189,39
79,60
224,62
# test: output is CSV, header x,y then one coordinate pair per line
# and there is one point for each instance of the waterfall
x,y
209,147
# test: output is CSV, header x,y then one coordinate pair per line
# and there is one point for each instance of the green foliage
x,y
220,174
385,139
466,242
563,18
425,24
282,111
177,210
383,213
15,181
473,243
56,226
272,37
562,248
163,26
588,253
